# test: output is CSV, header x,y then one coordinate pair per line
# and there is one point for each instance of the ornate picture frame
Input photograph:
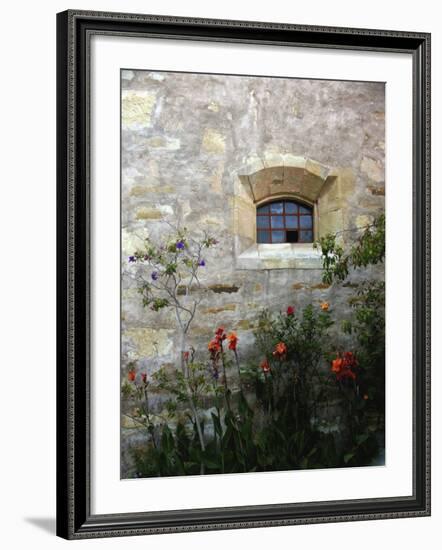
x,y
75,214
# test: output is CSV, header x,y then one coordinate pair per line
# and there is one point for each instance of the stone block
x,y
145,213
218,309
317,169
213,106
244,218
363,220
136,108
377,191
244,324
330,222
222,288
373,169
297,286
163,142
150,342
142,190
213,141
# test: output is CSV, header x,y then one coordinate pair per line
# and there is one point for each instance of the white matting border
x,y
109,493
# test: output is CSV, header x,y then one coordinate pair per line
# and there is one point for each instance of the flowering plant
x,y
302,398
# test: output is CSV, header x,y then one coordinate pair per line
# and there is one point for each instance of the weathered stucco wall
x,y
186,139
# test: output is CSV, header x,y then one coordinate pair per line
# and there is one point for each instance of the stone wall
x,y
191,145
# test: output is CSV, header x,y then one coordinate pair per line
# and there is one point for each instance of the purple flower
x,y
201,263
132,259
180,245
154,275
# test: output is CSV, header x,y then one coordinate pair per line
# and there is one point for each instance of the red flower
x,y
280,350
349,359
186,355
265,366
290,311
233,341
220,334
343,367
144,377
131,375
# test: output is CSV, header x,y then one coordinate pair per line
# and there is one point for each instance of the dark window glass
x,y
292,236
284,222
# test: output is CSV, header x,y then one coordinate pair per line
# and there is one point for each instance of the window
x,y
284,221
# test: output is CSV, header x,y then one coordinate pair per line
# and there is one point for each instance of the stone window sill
x,y
280,256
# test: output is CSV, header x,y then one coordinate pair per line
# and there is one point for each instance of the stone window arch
x,y
327,190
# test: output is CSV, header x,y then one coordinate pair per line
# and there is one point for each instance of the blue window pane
x,y
306,236
262,221
291,222
305,222
263,236
277,221
276,208
278,236
264,209
305,210
291,208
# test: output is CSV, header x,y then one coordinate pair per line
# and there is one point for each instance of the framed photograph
x,y
243,274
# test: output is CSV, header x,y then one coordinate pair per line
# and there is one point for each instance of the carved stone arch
x,y
288,176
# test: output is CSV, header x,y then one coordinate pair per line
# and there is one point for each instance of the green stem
x,y
190,398
237,366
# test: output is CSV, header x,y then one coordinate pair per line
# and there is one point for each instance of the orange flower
x,y
265,366
233,340
280,350
325,306
342,366
214,346
131,375
337,365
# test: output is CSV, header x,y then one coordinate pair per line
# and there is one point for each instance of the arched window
x,y
284,221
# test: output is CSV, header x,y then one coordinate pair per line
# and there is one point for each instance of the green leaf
x,y
217,425
348,457
362,438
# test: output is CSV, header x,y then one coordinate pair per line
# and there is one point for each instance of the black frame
x,y
74,29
